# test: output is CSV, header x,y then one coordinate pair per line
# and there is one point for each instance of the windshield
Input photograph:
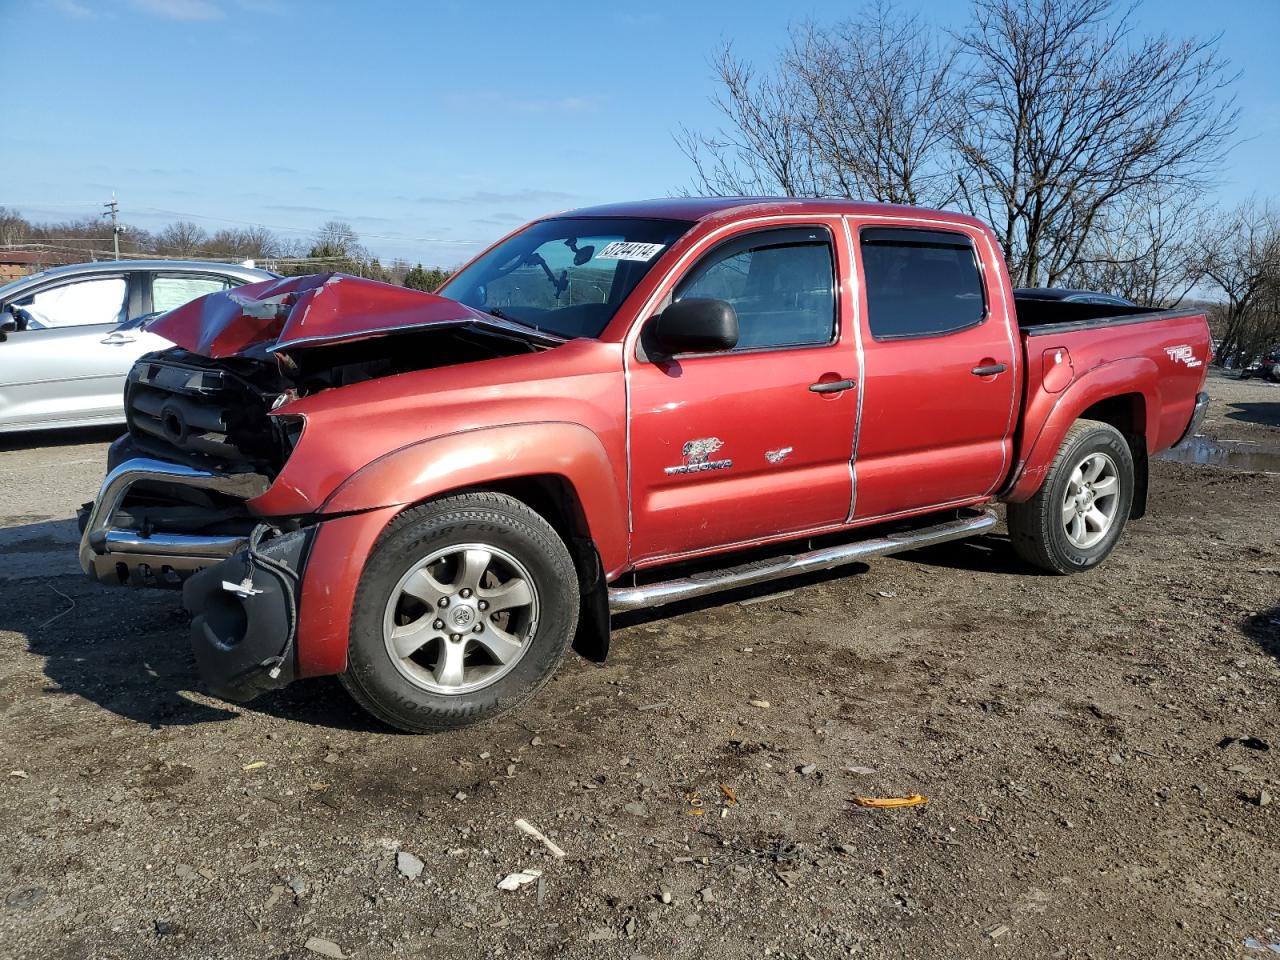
x,y
566,276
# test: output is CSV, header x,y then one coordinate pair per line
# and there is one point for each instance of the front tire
x,y
1074,520
464,610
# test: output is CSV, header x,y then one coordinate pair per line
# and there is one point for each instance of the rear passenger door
x,y
939,377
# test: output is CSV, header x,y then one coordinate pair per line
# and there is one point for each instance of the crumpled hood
x,y
306,311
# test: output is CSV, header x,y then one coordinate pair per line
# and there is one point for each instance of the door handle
x,y
990,369
834,386
117,339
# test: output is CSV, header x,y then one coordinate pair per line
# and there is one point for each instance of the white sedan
x,y
69,336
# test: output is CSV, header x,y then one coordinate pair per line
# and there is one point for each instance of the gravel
x,y
999,694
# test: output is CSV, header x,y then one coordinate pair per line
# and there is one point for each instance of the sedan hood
x,y
295,312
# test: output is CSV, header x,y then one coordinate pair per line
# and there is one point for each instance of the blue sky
x,y
432,127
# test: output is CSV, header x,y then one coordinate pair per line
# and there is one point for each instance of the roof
x,y
247,274
195,266
1064,293
702,208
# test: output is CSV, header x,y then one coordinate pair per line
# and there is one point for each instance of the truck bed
x,y
1138,367
1037,317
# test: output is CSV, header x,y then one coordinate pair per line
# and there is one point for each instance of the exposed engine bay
x,y
215,413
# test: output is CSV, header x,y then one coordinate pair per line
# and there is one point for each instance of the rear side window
x,y
780,282
168,292
920,283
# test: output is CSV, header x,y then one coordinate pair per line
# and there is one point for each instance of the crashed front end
x,y
186,503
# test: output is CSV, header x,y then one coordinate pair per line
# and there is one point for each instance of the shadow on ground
x,y
1264,630
1267,414
128,651
36,439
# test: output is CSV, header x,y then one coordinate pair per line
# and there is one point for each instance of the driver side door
x,y
753,443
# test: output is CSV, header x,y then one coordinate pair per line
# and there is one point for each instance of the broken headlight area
x,y
244,614
208,414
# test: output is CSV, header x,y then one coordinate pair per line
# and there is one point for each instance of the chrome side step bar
x,y
713,581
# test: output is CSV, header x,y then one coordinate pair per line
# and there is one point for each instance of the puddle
x,y
1230,454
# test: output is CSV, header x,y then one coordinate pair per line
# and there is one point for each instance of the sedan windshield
x,y
566,276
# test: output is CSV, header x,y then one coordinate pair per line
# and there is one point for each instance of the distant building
x,y
20,263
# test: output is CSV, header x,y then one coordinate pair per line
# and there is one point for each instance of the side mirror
x,y
8,324
696,325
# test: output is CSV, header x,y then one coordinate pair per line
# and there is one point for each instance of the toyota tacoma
x,y
434,496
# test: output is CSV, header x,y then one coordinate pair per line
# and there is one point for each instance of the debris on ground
x,y
890,803
514,881
409,865
325,948
524,826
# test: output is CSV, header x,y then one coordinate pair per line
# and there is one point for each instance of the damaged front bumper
x,y
242,589
118,554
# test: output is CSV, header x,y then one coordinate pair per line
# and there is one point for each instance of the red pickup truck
x,y
434,495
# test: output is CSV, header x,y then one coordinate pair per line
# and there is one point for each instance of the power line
x,y
251,223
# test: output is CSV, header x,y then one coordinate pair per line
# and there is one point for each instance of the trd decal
x,y
697,457
1183,353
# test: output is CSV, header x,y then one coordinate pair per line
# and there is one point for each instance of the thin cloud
x,y
494,198
491,101
500,220
69,8
179,9
300,208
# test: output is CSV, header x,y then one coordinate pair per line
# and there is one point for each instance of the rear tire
x,y
465,608
1073,521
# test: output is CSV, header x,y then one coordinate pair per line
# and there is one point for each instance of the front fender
x,y
478,457
1055,413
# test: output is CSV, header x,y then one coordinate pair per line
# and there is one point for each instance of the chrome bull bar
x,y
110,553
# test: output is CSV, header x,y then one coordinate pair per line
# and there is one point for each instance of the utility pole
x,y
113,211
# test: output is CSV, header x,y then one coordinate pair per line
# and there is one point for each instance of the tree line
x,y
1086,146
334,247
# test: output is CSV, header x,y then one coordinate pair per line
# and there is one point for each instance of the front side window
x,y
82,303
170,291
565,276
781,283
920,283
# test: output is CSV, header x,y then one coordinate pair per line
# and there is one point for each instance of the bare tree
x,y
1242,261
765,148
247,243
181,239
1046,118
337,238
881,100
861,109
1146,247
1066,113
13,226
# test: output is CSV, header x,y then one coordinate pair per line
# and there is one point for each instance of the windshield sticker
x,y
625,250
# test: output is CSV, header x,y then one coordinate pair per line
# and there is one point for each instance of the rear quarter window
x,y
920,283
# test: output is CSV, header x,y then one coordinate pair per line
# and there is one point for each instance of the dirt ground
x,y
1073,737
